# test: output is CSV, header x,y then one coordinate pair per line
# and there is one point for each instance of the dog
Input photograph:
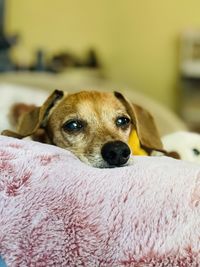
x,y
94,126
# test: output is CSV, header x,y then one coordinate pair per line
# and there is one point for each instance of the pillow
x,y
58,211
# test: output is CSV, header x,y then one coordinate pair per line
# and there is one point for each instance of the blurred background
x,y
150,48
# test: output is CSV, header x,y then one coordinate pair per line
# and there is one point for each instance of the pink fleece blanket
x,y
57,211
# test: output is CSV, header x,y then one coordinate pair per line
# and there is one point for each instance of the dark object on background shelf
x,y
64,60
92,60
6,42
60,62
40,64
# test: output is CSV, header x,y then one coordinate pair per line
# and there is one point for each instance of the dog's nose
x,y
115,153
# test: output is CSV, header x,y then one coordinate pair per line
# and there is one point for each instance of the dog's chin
x,y
99,162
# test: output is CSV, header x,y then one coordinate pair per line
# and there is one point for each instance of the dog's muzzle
x,y
115,153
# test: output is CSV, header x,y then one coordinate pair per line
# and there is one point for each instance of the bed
x,y
58,211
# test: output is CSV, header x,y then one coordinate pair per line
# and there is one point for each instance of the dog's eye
x,y
73,126
196,151
122,121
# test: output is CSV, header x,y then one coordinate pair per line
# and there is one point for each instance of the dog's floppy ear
x,y
37,118
144,124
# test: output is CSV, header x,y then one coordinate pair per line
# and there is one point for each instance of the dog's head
x,y
95,126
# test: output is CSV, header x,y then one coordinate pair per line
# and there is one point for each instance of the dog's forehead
x,y
85,101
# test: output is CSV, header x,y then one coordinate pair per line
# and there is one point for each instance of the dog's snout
x,y
115,153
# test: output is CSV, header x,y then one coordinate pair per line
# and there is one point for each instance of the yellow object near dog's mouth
x,y
134,144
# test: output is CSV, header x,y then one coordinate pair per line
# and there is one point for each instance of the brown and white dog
x,y
95,126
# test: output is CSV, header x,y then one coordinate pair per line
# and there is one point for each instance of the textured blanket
x,y
57,211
